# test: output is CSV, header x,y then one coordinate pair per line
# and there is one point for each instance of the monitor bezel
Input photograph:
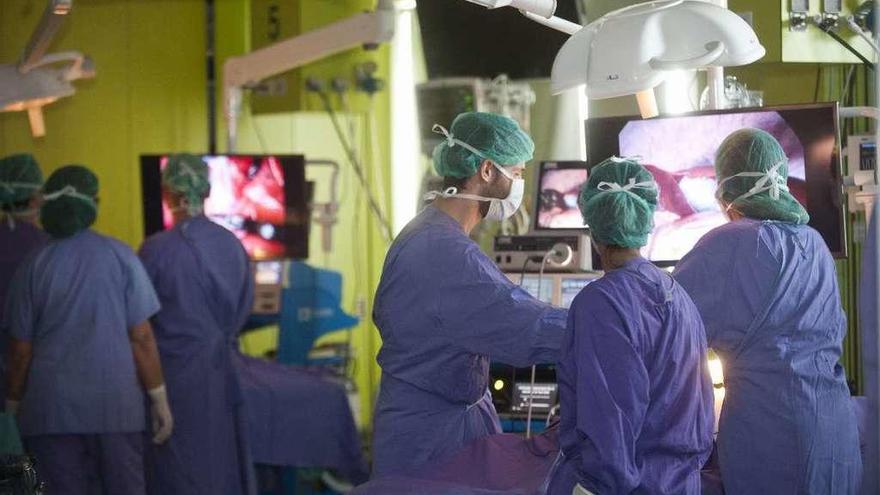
x,y
543,167
297,192
837,171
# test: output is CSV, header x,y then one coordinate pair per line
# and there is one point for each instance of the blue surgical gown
x,y
868,303
443,309
75,301
767,292
636,397
17,241
202,275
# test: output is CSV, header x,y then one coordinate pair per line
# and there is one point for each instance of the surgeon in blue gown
x,y
766,287
444,309
82,352
636,396
20,184
202,276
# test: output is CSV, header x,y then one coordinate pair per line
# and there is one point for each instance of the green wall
x,y
150,96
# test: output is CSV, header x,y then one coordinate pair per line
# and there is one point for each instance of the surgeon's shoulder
x,y
120,249
727,238
593,297
154,242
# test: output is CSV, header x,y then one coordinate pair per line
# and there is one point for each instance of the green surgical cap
x,y
618,203
20,179
752,173
70,201
478,136
187,175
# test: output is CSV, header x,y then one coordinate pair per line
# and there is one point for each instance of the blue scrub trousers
x,y
106,464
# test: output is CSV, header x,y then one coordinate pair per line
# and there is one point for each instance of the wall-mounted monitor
x,y
680,153
262,199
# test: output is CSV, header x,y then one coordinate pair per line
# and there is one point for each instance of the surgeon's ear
x,y
487,171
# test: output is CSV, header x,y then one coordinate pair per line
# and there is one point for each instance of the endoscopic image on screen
x,y
558,201
685,172
247,197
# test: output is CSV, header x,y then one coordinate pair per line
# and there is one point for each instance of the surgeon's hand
x,y
163,422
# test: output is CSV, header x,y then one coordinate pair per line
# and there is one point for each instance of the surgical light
x,y
543,8
635,49
39,79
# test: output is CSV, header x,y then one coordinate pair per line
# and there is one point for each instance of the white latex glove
x,y
163,422
12,407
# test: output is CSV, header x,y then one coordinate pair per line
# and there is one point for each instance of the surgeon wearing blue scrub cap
x,y
444,309
766,287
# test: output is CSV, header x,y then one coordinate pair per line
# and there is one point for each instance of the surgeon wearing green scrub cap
x,y
618,203
20,183
481,159
185,185
752,173
70,201
443,307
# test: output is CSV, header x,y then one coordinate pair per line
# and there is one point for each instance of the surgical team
x,y
103,341
119,369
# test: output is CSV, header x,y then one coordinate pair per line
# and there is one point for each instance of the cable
x,y
258,132
522,273
374,145
534,367
854,26
355,163
843,43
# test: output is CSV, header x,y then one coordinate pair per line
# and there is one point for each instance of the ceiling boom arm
x,y
42,36
240,72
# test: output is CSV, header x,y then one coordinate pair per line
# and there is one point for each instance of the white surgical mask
x,y
499,208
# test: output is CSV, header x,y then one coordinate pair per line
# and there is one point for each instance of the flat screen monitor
x,y
542,397
541,288
680,153
262,199
556,201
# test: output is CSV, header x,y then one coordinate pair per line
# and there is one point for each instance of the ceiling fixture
x,y
39,79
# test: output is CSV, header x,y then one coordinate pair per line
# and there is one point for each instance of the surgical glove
x,y
12,406
163,422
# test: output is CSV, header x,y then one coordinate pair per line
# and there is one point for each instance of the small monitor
x,y
268,272
556,202
535,284
570,287
543,398
680,152
262,199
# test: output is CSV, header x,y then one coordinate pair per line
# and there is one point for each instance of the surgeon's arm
x,y
20,354
19,323
612,394
481,311
146,355
149,370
